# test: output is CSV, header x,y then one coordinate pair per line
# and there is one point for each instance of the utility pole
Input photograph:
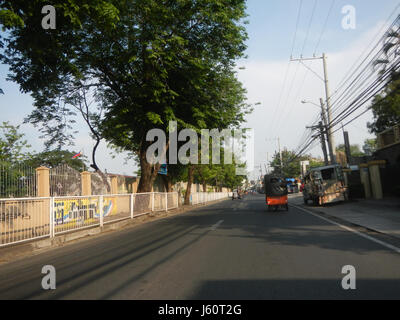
x,y
328,102
320,127
328,137
329,110
347,147
322,131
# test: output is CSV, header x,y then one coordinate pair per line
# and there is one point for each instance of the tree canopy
x,y
145,62
291,168
386,107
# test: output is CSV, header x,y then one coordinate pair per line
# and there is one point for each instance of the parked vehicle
x,y
275,192
324,185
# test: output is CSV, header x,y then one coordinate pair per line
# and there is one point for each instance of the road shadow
x,y
296,289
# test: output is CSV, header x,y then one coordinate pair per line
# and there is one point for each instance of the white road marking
x,y
387,245
215,226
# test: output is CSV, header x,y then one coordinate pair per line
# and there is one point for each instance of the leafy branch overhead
x,y
145,62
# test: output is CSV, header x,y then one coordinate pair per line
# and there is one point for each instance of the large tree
x,y
147,62
386,107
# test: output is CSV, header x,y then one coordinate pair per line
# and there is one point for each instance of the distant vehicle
x,y
292,185
275,192
236,195
324,185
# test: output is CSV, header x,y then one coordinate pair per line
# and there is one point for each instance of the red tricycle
x,y
277,202
276,193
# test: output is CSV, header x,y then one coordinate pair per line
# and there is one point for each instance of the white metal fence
x,y
24,219
204,197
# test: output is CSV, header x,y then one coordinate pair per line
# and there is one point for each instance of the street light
x,y
326,128
310,102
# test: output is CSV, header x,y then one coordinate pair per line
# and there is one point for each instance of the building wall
x,y
391,154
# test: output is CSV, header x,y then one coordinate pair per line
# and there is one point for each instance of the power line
x,y
309,27
365,96
297,26
324,27
360,81
288,64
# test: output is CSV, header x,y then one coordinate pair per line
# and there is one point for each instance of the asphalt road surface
x,y
229,250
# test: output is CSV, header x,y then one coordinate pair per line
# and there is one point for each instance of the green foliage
x,y
12,144
54,158
386,107
146,62
290,167
355,150
370,146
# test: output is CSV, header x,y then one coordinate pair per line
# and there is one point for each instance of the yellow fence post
x,y
114,185
86,183
43,181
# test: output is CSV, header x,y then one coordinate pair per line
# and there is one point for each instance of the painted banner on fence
x,y
68,210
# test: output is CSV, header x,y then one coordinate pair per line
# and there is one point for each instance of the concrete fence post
x,y
364,176
131,206
101,210
86,183
51,217
43,181
376,183
152,202
114,185
166,201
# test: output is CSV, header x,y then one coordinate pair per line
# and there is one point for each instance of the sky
x,y
272,30
273,37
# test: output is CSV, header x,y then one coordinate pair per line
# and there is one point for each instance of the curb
x,y
344,221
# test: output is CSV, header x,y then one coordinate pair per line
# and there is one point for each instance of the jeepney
x,y
324,185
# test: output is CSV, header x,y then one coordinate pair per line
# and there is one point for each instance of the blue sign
x,y
163,169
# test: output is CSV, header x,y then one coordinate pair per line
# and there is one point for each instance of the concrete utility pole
x,y
328,102
347,147
321,129
329,110
328,137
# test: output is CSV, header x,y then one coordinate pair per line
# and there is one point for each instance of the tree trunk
x,y
204,186
189,184
148,172
167,183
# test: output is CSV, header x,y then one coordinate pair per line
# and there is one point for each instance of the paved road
x,y
229,250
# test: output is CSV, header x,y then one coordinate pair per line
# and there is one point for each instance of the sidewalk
x,y
380,215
